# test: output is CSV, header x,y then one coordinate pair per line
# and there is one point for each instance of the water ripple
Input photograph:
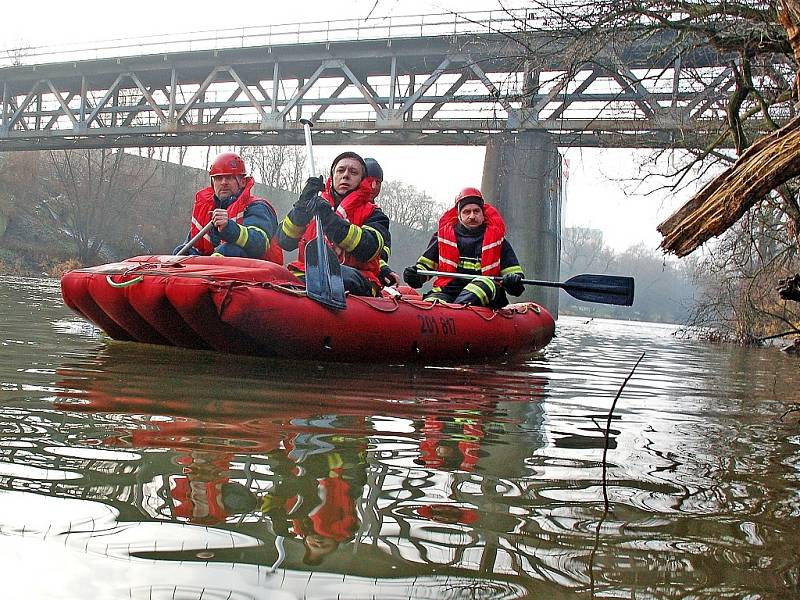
x,y
123,462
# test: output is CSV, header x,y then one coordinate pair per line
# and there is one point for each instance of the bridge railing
x,y
394,27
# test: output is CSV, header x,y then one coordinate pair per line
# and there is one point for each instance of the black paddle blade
x,y
605,289
324,273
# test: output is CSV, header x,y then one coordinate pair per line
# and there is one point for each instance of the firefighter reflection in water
x,y
450,443
319,479
203,493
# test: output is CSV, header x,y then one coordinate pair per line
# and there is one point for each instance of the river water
x,y
133,471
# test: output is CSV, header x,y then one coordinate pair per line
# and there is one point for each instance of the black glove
x,y
319,207
412,277
312,189
512,284
387,276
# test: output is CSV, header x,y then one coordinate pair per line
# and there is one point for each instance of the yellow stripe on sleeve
x,y
427,263
243,235
511,269
381,242
352,238
291,230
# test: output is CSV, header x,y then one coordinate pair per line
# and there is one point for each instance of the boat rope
x,y
123,284
524,307
431,304
286,288
393,302
490,316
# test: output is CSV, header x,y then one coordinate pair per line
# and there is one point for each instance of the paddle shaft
x,y
324,282
320,239
310,158
309,146
498,279
608,289
188,246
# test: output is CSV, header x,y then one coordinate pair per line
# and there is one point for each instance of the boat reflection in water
x,y
389,482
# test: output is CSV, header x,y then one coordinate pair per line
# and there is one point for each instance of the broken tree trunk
x,y
789,17
763,167
768,163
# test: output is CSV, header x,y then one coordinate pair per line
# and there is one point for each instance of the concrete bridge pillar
x,y
522,179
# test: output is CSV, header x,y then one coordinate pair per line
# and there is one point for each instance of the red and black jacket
x,y
250,231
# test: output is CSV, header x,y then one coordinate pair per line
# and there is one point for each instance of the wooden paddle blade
x,y
605,289
324,281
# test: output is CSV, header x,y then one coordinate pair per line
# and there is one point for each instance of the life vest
x,y
356,208
447,513
335,518
199,502
201,215
332,513
196,494
449,255
467,442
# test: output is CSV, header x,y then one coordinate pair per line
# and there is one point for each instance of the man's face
x,y
227,185
347,174
471,216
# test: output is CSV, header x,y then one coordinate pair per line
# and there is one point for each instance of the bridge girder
x,y
450,90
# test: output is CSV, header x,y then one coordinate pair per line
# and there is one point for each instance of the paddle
x,y
605,289
323,272
188,246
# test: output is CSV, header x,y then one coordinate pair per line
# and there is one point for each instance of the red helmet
x,y
227,163
470,192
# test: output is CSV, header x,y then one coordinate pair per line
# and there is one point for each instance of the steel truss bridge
x,y
426,79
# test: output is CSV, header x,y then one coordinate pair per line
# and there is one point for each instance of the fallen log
x,y
764,166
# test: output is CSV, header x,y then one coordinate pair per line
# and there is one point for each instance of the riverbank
x,y
30,247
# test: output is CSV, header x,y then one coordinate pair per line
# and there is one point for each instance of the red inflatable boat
x,y
247,306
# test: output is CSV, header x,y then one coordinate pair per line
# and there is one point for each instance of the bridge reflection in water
x,y
294,485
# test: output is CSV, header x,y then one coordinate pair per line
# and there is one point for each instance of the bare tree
x,y
281,167
19,176
406,205
736,278
582,250
89,192
164,206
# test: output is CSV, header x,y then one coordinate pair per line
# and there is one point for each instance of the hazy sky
x,y
594,199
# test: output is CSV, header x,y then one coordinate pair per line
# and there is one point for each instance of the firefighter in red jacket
x,y
355,227
244,224
470,239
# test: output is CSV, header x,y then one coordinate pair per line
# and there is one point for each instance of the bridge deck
x,y
430,79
